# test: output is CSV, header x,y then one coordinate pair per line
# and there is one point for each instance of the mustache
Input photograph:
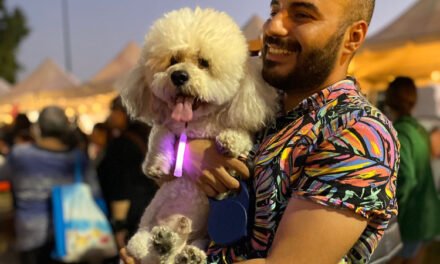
x,y
286,44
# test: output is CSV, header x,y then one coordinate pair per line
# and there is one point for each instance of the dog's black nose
x,y
179,78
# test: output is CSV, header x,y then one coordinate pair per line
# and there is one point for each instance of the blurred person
x,y
419,206
435,155
98,141
21,129
34,169
118,119
76,138
126,189
4,146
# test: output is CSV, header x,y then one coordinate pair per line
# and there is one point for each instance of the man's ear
x,y
354,37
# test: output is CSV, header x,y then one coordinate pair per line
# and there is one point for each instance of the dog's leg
x,y
166,243
160,156
234,142
190,255
138,245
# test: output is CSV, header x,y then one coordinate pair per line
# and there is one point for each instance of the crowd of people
x,y
37,157
328,175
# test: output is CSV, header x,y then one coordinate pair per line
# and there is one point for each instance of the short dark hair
x,y
53,122
116,104
401,95
360,10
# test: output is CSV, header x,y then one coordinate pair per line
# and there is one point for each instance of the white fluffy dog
x,y
194,74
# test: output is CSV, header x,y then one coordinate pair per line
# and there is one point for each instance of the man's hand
x,y
127,259
210,169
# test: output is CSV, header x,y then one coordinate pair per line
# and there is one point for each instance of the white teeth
x,y
279,51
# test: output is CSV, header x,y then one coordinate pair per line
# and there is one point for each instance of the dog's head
x,y
194,62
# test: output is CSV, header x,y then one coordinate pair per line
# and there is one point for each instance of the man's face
x,y
302,42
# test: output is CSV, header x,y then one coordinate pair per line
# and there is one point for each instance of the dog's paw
x,y
233,143
138,245
190,255
164,240
156,171
183,226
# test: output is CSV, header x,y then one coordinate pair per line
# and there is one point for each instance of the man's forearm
x,y
119,209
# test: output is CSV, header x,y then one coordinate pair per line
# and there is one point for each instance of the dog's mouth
x,y
184,107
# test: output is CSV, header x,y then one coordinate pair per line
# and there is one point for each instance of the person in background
x,y
34,169
118,119
325,171
434,136
126,189
4,146
21,129
419,206
98,141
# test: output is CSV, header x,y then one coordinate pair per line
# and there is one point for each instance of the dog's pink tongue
x,y
182,111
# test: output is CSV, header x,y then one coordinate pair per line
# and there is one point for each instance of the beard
x,y
312,67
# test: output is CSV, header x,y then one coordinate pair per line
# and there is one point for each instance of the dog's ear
x,y
256,102
135,93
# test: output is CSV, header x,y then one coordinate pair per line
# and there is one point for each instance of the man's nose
x,y
276,26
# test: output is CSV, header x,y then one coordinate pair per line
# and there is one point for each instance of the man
x,y
419,206
324,175
125,187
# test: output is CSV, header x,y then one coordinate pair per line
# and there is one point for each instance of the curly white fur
x,y
235,102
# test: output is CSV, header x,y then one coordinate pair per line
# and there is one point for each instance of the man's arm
x,y
312,233
309,233
119,210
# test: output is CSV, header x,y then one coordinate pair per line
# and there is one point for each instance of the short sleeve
x,y
355,168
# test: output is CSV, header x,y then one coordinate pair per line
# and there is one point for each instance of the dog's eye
x,y
173,61
204,64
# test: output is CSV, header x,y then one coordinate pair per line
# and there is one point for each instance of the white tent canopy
x,y
120,65
47,76
409,46
253,28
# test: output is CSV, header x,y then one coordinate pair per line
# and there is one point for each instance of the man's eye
x,y
302,16
273,12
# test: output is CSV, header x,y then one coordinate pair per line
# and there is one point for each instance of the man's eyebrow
x,y
274,2
306,5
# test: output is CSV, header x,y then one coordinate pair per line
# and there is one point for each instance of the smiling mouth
x,y
278,51
274,50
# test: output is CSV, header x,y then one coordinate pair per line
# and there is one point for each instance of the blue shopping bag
x,y
81,229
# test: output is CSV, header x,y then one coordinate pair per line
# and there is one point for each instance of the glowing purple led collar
x,y
180,155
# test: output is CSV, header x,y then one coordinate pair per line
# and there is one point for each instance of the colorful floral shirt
x,y
334,149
